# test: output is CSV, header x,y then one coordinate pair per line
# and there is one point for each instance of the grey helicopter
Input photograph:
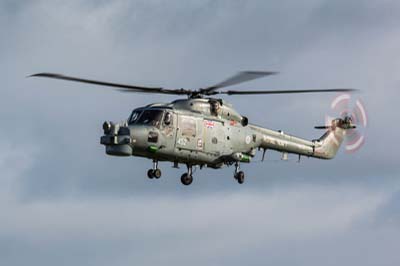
x,y
205,131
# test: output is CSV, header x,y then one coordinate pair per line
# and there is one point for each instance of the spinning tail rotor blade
x,y
355,117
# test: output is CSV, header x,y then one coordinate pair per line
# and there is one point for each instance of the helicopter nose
x,y
116,139
139,137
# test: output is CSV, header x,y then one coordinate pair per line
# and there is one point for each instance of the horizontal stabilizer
x,y
322,127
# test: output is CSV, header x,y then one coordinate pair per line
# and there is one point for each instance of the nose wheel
x,y
187,178
238,175
155,172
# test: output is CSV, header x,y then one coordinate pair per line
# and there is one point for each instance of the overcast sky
x,y
64,202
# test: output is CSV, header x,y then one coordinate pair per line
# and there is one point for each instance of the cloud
x,y
149,43
63,201
150,230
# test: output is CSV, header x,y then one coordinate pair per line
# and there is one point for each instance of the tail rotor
x,y
353,118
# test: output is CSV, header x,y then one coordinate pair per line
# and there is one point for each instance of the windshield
x,y
150,117
134,117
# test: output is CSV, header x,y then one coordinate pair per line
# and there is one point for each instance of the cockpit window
x,y
150,117
134,117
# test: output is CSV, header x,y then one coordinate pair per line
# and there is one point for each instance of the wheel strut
x,y
237,168
190,170
155,164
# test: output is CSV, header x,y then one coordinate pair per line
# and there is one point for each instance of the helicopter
x,y
205,131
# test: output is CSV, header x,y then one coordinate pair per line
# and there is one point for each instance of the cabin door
x,y
214,137
189,133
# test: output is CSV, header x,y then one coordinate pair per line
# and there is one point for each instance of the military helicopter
x,y
201,130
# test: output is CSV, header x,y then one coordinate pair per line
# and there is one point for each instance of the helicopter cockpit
x,y
146,117
150,117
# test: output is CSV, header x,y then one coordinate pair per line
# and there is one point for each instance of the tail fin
x,y
327,146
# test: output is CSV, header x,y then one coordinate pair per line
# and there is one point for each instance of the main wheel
x,y
157,173
186,179
240,177
150,174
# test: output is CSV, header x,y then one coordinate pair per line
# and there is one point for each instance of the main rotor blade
x,y
231,92
238,78
131,88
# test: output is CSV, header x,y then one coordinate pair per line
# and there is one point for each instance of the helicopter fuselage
x,y
205,132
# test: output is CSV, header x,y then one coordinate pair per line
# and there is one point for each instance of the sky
x,y
63,201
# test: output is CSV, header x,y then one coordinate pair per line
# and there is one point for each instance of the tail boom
x,y
325,147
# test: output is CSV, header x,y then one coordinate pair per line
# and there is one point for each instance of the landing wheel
x,y
157,173
186,179
150,174
154,173
240,177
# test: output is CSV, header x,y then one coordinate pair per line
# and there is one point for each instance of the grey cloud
x,y
64,199
240,226
389,213
345,16
126,42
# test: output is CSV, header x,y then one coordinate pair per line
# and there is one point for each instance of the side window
x,y
188,127
168,120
